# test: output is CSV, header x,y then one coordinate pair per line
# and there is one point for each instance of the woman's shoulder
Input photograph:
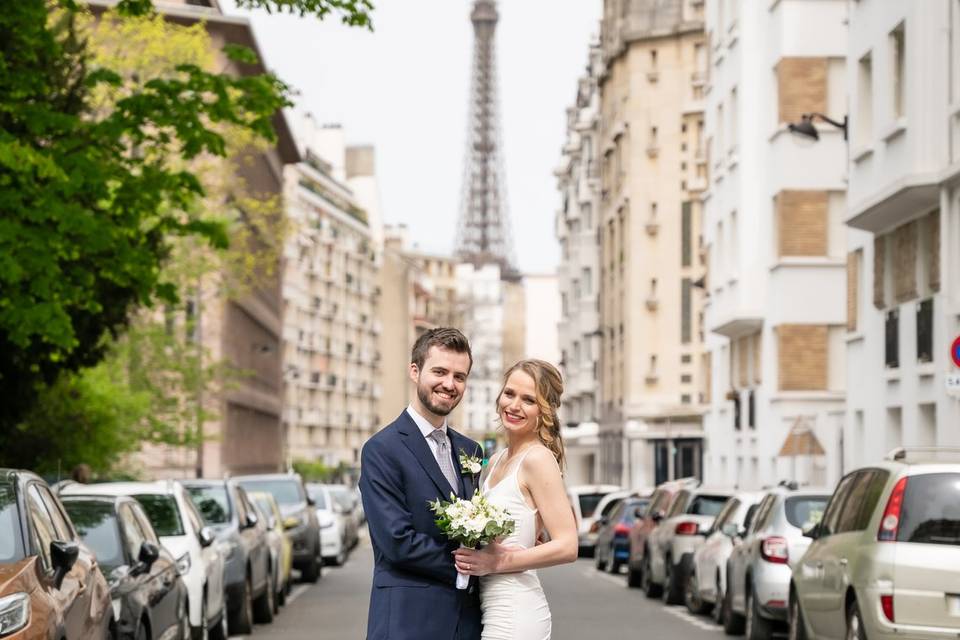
x,y
539,457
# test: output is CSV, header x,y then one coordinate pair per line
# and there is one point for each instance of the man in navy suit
x,y
406,465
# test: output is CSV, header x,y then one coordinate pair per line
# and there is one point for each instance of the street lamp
x,y
806,128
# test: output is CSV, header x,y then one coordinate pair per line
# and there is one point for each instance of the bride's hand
x,y
482,562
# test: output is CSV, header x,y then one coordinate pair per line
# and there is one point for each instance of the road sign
x,y
955,351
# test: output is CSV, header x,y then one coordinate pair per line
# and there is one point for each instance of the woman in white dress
x,y
525,478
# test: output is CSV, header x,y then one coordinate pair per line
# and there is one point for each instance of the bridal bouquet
x,y
472,523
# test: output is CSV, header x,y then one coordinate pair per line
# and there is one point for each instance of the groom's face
x,y
442,380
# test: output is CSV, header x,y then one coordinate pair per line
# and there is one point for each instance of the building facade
x,y
903,219
331,292
652,173
578,275
774,237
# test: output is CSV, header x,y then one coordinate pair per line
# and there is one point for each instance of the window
x,y
686,311
864,121
892,339
898,62
863,498
686,234
831,517
734,109
925,331
930,514
133,535
43,529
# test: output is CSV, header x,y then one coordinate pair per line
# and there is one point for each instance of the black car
x,y
247,570
613,538
299,518
149,598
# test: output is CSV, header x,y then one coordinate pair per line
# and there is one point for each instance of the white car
x,y
333,536
707,581
181,530
585,499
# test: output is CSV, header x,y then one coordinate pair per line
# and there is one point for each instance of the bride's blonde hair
x,y
549,387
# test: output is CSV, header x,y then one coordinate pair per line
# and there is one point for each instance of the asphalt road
x,y
584,602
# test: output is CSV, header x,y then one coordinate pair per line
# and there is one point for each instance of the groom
x,y
407,464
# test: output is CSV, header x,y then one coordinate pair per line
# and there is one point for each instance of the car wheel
x,y
733,622
243,623
311,573
203,631
691,595
613,565
143,631
855,629
220,631
720,604
756,626
672,583
598,560
634,578
650,588
798,628
264,604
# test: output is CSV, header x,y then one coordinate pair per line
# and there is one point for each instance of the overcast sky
x,y
404,88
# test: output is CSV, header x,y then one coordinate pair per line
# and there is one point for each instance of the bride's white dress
x,y
513,605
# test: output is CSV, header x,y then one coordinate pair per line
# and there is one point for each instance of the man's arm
x,y
391,523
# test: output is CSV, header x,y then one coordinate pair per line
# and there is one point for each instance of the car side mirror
x,y
291,522
63,555
657,516
206,537
251,521
812,531
311,502
639,512
149,553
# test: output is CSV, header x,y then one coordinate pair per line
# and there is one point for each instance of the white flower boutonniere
x,y
470,464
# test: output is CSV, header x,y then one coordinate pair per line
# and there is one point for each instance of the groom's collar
x,y
425,427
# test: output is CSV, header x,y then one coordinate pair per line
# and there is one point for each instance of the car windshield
x,y
212,503
931,509
319,496
342,497
707,505
630,509
163,513
285,492
589,502
805,511
263,503
96,522
9,523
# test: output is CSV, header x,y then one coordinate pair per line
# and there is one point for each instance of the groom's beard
x,y
437,407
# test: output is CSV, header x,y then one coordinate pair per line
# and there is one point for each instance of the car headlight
x,y
14,613
183,564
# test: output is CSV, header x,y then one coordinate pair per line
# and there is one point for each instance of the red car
x,y
50,584
646,522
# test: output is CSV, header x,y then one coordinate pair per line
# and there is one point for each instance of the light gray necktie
x,y
444,459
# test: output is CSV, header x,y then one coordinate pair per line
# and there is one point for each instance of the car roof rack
x,y
925,454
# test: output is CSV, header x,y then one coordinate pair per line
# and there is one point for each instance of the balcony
x,y
652,303
653,150
652,227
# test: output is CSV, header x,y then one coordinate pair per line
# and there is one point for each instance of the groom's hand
x,y
482,562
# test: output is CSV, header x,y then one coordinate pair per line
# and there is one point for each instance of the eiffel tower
x,y
483,232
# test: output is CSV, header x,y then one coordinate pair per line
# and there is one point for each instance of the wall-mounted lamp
x,y
807,129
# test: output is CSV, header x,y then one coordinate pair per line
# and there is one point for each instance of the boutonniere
x,y
470,464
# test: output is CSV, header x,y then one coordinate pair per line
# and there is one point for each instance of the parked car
x,y
345,503
149,597
612,549
671,546
300,519
50,584
333,536
241,535
644,525
758,570
585,499
180,529
281,549
706,583
884,562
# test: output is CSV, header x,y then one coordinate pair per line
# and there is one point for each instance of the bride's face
x,y
517,404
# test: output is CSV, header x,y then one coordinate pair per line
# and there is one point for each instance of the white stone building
x,y
331,300
774,239
903,219
578,275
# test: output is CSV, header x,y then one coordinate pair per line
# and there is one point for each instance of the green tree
x,y
94,192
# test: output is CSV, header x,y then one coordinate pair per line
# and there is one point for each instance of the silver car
x,y
885,560
678,536
707,581
758,571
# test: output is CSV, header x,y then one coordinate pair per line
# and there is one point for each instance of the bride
x,y
525,478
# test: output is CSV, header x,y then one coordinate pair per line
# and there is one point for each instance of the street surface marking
x,y
297,592
683,613
593,574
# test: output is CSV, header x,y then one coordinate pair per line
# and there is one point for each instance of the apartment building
x,y
653,171
903,219
774,238
332,320
578,275
419,293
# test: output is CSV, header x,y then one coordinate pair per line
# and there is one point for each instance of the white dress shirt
x,y
426,429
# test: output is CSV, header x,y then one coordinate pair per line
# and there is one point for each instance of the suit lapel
x,y
467,480
417,444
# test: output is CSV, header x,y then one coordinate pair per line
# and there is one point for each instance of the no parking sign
x,y
955,351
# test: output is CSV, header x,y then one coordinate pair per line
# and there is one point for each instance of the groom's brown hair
x,y
443,337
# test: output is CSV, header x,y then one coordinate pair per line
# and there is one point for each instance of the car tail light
x,y
621,530
774,549
687,529
886,603
890,523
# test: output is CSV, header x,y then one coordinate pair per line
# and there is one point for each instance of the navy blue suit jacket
x,y
414,596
